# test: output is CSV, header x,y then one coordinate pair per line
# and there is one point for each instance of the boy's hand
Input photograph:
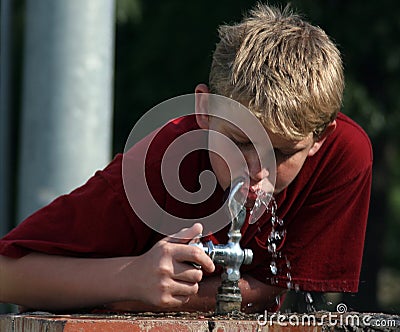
x,y
163,277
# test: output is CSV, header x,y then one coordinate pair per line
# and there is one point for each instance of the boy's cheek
x,y
229,169
221,170
284,176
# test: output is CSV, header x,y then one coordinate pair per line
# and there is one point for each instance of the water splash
x,y
273,267
288,274
261,205
309,302
288,263
265,203
278,301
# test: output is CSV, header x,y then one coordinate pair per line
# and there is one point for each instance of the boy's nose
x,y
257,176
257,172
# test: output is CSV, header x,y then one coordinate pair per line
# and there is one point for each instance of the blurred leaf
x,y
129,11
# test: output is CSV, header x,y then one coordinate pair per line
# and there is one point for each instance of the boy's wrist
x,y
123,285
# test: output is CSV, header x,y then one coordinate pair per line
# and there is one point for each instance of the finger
x,y
173,301
180,294
182,288
186,234
179,300
194,255
186,272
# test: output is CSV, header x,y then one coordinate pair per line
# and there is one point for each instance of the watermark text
x,y
339,318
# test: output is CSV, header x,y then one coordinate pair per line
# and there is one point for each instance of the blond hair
x,y
285,70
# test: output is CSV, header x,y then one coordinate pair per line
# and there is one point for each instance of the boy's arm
x,y
161,277
256,297
48,282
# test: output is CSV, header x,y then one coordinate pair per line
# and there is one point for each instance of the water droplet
x,y
297,288
249,304
309,298
272,247
278,300
275,242
274,281
261,205
287,263
273,267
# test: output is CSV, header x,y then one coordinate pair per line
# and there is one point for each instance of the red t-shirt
x,y
324,212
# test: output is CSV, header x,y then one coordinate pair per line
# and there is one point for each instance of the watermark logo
x,y
339,318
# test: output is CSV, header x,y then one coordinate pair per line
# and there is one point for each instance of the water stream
x,y
265,203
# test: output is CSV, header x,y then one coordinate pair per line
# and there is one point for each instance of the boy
x,y
89,249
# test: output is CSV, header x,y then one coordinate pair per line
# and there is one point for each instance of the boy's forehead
x,y
277,140
239,131
234,118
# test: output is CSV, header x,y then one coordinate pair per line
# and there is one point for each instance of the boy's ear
x,y
201,96
318,143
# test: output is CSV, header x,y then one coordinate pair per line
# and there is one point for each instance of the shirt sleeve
x,y
91,221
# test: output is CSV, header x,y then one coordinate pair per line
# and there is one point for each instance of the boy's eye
x,y
243,145
282,154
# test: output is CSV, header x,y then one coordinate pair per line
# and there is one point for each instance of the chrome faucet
x,y
230,256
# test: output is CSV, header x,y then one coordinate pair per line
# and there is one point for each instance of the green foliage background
x,y
163,49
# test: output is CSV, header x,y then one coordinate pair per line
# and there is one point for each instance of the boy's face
x,y
290,157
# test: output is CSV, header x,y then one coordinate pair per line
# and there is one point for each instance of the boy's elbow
x,y
6,279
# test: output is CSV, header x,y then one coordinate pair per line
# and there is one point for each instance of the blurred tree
x,y
163,51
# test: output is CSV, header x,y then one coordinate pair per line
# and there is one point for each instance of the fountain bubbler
x,y
230,256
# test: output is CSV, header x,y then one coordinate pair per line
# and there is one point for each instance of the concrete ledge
x,y
36,323
46,322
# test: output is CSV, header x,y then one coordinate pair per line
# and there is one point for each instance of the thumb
x,y
186,234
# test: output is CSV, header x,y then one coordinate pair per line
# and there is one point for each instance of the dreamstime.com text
x,y
339,318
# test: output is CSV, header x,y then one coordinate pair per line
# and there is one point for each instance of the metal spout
x,y
230,256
